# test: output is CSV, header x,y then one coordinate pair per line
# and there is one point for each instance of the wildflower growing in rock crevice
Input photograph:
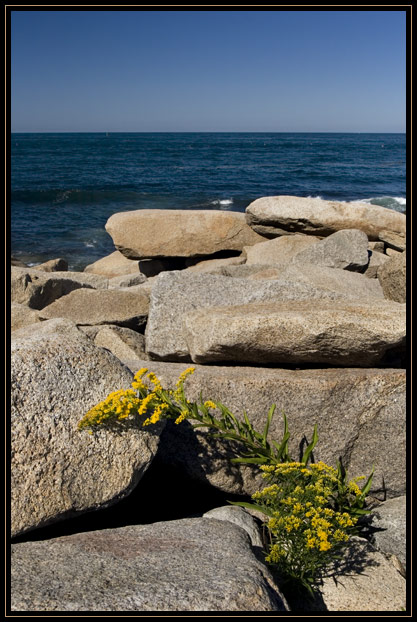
x,y
310,509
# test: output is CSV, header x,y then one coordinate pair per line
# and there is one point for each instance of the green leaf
x,y
268,421
311,446
252,506
368,483
254,460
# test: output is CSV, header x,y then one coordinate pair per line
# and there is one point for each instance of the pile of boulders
x,y
298,302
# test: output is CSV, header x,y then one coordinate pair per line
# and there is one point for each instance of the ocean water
x,y
64,187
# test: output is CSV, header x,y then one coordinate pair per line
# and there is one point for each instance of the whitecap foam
x,y
223,201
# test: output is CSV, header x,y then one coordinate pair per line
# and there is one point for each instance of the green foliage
x,y
310,509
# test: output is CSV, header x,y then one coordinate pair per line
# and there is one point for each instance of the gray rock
x,y
194,564
331,332
393,240
349,284
360,415
238,516
37,289
124,307
390,521
124,343
57,471
175,293
392,276
127,280
22,315
279,250
363,581
279,215
375,261
346,250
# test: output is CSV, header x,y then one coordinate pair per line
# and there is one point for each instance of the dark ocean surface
x,y
64,187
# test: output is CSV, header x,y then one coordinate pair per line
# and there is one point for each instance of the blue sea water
x,y
64,187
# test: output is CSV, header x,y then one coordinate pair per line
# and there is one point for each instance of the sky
x,y
208,71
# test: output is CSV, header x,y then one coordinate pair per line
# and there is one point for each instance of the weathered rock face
x,y
22,315
390,523
280,215
364,581
375,260
393,278
115,264
37,288
346,250
174,294
142,234
350,284
124,343
195,564
123,307
342,333
53,265
279,250
393,240
360,416
58,471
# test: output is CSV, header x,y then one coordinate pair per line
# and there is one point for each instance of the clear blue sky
x,y
121,71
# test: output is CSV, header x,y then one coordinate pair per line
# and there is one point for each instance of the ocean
x,y
64,187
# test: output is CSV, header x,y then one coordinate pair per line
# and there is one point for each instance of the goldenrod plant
x,y
310,509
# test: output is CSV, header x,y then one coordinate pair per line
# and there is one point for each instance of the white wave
x,y
90,243
223,202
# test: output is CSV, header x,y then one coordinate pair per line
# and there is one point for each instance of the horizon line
x,y
199,132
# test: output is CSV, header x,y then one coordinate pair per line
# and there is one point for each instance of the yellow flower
x,y
181,417
210,404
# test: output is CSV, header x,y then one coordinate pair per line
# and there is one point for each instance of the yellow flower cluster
x,y
303,526
117,406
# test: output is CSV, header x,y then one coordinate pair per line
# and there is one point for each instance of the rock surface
x,y
152,233
53,265
394,240
360,415
364,581
58,471
342,333
124,343
21,315
124,307
279,250
346,250
175,294
392,276
194,564
115,264
280,215
37,289
390,521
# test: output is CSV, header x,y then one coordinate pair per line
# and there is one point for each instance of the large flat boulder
x,y
280,215
176,293
194,564
152,233
37,288
124,307
389,524
348,405
343,333
57,471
